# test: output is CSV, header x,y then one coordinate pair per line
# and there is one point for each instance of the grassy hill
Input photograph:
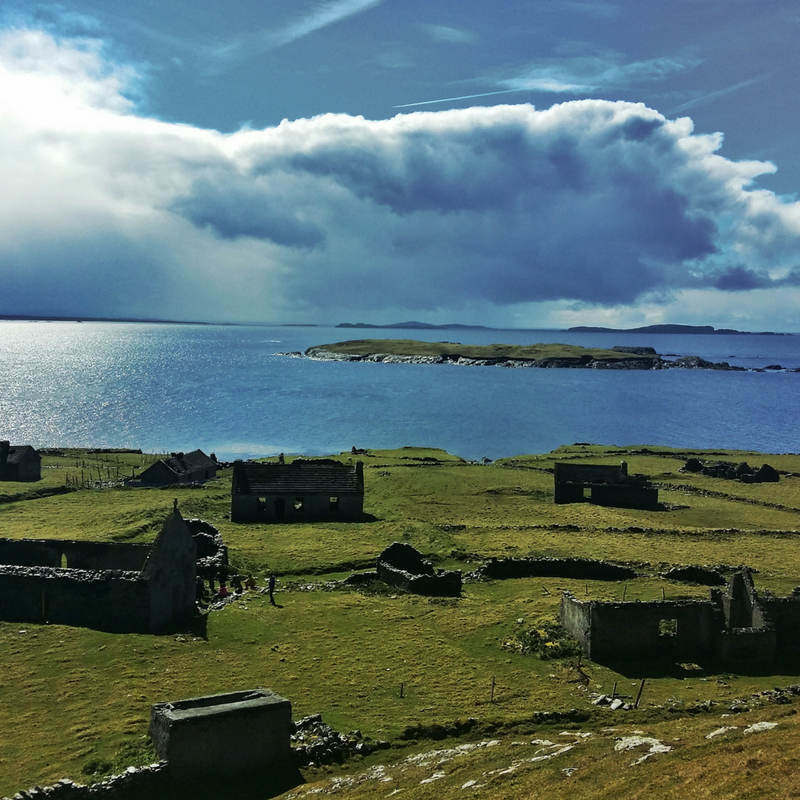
x,y
81,698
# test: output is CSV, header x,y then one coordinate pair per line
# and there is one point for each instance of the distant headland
x,y
662,328
422,326
669,328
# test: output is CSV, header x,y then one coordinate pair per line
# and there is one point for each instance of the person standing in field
x,y
272,588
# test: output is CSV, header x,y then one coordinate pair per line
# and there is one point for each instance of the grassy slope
x,y
557,763
344,653
412,347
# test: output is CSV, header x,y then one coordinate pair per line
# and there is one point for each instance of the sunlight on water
x,y
176,387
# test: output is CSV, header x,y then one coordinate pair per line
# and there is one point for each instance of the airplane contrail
x,y
460,97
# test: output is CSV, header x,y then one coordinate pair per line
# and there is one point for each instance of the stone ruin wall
x,y
111,600
77,555
580,568
107,586
610,632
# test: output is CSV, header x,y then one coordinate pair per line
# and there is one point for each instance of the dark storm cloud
x,y
246,210
594,201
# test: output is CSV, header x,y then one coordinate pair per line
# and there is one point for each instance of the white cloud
x,y
319,15
446,33
105,211
591,73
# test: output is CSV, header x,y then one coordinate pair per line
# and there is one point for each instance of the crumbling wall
x,y
402,566
575,618
105,600
691,573
683,630
77,554
171,575
581,568
625,495
136,783
212,553
747,648
784,616
157,594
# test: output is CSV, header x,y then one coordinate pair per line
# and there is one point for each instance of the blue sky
x,y
153,175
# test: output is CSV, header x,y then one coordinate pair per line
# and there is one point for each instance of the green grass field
x,y
79,699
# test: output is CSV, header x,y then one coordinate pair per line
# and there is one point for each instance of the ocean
x,y
165,387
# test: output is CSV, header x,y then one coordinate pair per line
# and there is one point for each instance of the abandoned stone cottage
x,y
602,484
19,462
737,627
103,585
303,491
193,467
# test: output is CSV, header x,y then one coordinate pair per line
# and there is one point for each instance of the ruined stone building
x,y
193,467
19,462
603,485
102,585
736,627
303,491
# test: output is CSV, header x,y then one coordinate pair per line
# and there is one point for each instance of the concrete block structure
x,y
224,734
302,491
19,462
602,485
103,585
737,627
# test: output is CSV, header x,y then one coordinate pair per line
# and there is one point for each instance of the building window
x,y
334,503
668,628
298,504
263,504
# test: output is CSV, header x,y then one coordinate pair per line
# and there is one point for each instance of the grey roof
x,y
181,464
308,477
18,453
197,459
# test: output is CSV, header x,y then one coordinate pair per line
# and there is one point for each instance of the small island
x,y
569,356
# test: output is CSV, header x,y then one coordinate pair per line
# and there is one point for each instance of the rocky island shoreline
x,y
543,356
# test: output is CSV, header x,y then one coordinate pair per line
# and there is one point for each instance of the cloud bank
x,y
105,211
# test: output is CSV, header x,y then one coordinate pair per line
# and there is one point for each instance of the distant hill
x,y
669,328
412,325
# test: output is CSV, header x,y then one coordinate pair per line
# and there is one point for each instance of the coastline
x,y
629,359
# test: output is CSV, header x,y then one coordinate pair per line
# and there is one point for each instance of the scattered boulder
x,y
403,566
315,742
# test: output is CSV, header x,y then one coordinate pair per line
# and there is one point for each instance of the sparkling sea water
x,y
167,387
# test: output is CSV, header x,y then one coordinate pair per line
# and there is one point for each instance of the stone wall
x,y
575,618
105,600
77,555
581,568
681,630
280,507
156,595
403,566
143,783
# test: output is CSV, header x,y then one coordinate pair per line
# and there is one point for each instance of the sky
x,y
520,164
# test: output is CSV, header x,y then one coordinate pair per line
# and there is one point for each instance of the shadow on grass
x,y
253,787
668,668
